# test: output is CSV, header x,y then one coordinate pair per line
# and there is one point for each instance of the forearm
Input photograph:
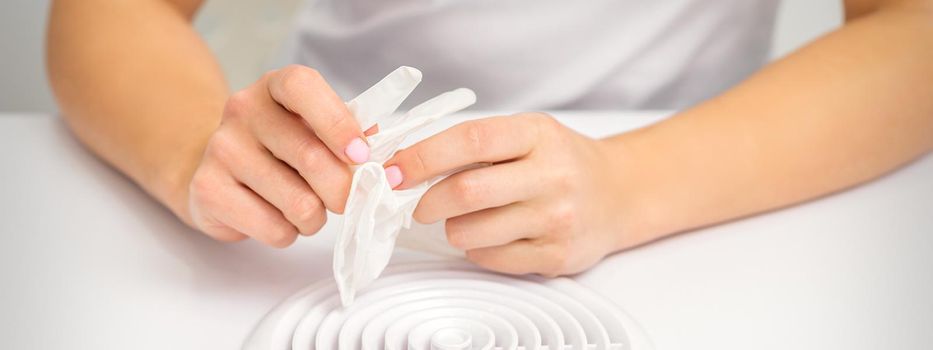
x,y
845,109
138,86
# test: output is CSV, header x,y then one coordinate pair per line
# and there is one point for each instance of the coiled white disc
x,y
449,306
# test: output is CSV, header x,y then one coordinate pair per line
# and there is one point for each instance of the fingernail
x,y
357,151
394,175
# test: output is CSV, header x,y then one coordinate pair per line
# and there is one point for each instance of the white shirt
x,y
541,54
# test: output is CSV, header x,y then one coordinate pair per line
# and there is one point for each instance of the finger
x,y
518,258
290,140
222,232
491,140
304,91
281,186
372,130
477,189
208,181
494,227
242,210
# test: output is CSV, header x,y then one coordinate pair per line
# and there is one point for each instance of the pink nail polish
x,y
394,175
357,151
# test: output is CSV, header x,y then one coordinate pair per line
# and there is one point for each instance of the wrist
x,y
636,218
170,180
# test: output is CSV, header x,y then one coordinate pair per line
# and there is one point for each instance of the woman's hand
x,y
279,158
546,205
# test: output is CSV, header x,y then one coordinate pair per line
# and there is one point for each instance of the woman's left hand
x,y
547,204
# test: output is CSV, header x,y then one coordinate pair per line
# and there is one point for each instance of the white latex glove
x,y
374,213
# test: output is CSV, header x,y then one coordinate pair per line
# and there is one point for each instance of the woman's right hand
x,y
279,158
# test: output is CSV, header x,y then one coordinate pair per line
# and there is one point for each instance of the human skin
x,y
265,162
847,108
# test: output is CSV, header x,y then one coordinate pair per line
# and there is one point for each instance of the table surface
x,y
89,261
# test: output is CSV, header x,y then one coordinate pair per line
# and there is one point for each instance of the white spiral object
x,y
449,306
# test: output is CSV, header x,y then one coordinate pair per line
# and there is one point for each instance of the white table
x,y
88,261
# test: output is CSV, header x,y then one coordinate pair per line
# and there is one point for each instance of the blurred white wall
x,y
799,21
22,68
246,34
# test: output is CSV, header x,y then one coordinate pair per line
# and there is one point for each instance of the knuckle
x,y
201,188
466,190
475,134
545,124
566,180
306,210
316,224
543,119
199,185
271,228
294,77
479,257
562,184
455,233
223,146
414,160
310,152
237,105
336,124
562,218
281,236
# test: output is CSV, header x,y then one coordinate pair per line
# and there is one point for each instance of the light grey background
x,y
246,34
